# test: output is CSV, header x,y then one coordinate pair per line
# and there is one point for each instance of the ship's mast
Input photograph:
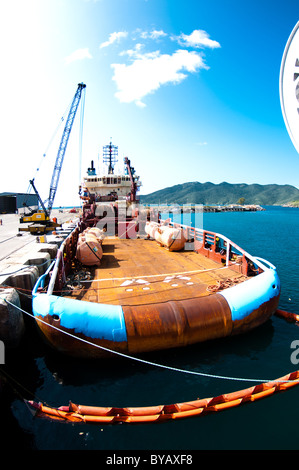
x,y
110,152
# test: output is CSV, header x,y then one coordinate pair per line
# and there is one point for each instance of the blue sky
x,y
187,89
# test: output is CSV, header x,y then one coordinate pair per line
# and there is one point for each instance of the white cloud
x,y
150,71
146,72
153,34
157,34
198,38
133,52
114,37
79,54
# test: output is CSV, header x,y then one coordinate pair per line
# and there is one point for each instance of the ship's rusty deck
x,y
140,271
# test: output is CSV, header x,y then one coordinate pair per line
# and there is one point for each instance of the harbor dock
x,y
188,208
23,258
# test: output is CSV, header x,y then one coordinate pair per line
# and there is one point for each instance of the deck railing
x,y
219,247
211,244
57,270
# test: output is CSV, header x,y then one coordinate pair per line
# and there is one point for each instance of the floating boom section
x,y
63,145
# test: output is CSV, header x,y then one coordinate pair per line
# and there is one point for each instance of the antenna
x,y
110,152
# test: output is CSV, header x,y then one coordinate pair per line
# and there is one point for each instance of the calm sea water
x,y
263,354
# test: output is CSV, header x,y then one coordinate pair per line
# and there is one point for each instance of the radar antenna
x,y
110,152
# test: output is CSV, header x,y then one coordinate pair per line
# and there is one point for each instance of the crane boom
x,y
63,145
41,218
39,199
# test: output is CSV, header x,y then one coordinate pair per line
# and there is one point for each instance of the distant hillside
x,y
223,193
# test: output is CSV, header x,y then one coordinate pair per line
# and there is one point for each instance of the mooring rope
x,y
137,359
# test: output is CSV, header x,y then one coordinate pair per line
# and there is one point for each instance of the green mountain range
x,y
223,193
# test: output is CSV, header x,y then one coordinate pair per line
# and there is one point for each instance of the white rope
x,y
175,369
162,275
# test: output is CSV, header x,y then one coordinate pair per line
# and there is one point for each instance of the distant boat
x,y
125,281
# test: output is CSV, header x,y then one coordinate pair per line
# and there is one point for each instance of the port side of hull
x,y
71,326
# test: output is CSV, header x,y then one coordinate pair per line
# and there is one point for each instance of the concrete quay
x,y
187,208
23,258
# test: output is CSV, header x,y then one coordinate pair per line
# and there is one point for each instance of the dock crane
x,y
41,218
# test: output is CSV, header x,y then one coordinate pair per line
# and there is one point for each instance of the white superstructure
x,y
111,186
